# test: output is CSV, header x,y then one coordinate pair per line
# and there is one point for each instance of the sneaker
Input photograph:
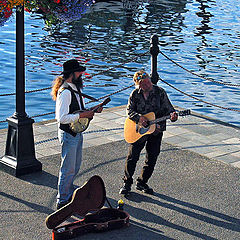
x,y
144,188
125,189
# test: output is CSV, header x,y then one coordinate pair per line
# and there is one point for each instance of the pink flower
x,y
8,13
27,10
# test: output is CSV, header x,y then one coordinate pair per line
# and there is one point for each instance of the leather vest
x,y
74,106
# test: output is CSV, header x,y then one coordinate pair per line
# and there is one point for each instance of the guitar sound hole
x,y
143,130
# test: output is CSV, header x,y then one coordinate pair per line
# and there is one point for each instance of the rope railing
x,y
49,113
108,95
200,100
30,91
195,74
122,64
87,132
93,75
101,72
125,88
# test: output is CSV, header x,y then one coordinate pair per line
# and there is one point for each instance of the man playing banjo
x,y
66,91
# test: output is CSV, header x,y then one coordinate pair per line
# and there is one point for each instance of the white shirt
x,y
62,106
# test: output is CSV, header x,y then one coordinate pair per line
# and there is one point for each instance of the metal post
x,y
19,155
154,50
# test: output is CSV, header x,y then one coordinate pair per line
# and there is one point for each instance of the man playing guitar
x,y
146,98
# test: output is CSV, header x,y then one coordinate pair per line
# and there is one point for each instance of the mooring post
x,y
19,155
154,50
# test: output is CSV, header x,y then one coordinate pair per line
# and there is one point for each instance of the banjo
x,y
82,124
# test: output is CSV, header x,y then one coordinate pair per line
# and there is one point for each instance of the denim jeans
x,y
71,158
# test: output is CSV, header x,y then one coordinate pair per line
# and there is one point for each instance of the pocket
x,y
69,139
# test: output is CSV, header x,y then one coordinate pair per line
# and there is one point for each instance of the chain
x,y
30,91
93,75
230,109
133,59
88,132
208,79
34,116
108,95
47,140
121,64
40,115
45,114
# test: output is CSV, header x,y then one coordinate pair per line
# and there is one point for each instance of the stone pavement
x,y
196,182
196,133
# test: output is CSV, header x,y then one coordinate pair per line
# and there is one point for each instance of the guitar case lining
x,y
90,199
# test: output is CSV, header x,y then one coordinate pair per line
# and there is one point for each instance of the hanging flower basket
x,y
53,11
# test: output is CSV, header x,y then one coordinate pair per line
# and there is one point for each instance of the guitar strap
x,y
80,95
87,96
81,100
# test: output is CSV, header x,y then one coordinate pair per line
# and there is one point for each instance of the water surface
x,y
202,36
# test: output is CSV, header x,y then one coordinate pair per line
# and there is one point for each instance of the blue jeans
x,y
71,156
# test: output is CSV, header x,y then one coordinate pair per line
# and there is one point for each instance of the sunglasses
x,y
143,76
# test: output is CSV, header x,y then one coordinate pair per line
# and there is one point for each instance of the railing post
x,y
19,155
154,50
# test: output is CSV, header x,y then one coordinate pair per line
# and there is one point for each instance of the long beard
x,y
78,82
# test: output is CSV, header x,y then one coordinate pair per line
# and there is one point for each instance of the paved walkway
x,y
199,134
195,197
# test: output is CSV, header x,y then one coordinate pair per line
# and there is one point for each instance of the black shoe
x,y
70,199
60,205
125,189
144,188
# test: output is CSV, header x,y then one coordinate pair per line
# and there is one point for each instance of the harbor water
x,y
112,39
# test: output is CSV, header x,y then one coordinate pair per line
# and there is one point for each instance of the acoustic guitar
x,y
134,131
82,124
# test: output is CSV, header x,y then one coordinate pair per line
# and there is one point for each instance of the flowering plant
x,y
6,6
52,10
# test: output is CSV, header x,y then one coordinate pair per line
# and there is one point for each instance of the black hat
x,y
71,66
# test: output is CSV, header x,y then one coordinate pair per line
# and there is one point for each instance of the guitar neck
x,y
159,120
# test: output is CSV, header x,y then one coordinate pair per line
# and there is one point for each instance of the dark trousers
x,y
153,145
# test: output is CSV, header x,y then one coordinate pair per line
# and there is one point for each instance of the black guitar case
x,y
87,201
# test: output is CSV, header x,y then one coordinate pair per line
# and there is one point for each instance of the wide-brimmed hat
x,y
71,66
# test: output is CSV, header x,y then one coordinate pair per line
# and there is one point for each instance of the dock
x,y
196,133
196,181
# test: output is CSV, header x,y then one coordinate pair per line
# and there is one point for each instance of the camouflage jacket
x,y
156,102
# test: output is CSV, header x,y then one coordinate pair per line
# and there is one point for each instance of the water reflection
x,y
116,30
202,30
206,16
106,34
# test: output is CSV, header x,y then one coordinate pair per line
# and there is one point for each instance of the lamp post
x,y
19,155
154,50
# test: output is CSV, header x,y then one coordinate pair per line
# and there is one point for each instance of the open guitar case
x,y
87,201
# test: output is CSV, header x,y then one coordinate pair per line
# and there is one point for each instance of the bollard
x,y
154,50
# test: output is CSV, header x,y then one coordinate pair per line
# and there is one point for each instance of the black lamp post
x,y
154,50
19,155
